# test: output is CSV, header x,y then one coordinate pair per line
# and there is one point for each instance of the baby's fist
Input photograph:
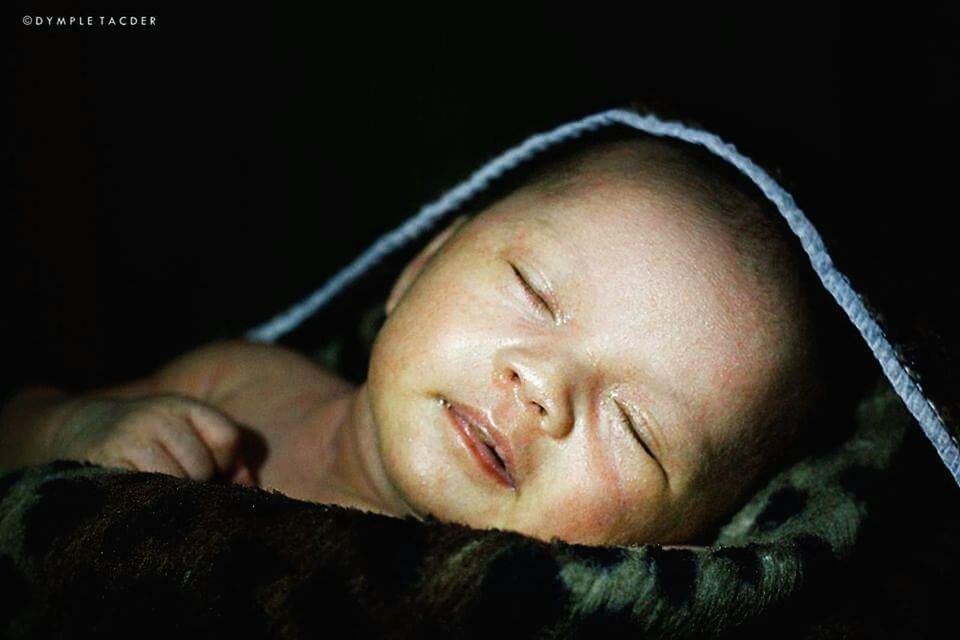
x,y
170,433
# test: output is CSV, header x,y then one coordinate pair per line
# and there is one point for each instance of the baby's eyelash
x,y
530,290
628,421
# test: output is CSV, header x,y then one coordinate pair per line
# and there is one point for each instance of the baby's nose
x,y
539,385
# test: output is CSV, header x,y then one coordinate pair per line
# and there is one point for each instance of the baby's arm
x,y
163,422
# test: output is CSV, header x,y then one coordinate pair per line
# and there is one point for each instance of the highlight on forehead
x,y
719,196
637,158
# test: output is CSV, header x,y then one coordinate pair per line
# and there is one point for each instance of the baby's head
x,y
630,326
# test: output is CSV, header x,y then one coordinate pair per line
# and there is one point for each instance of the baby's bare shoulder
x,y
229,364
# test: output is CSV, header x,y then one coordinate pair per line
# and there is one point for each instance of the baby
x,y
618,351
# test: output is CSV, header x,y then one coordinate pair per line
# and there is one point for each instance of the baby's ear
x,y
410,272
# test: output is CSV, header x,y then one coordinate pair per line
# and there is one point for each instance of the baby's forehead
x,y
609,217
655,165
604,199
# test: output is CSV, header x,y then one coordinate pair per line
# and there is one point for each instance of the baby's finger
x,y
243,476
154,457
185,446
217,432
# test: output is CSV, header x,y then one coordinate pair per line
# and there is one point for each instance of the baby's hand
x,y
170,433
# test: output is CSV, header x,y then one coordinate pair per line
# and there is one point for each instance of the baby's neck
x,y
355,476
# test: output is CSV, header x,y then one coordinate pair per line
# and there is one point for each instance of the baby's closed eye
x,y
535,297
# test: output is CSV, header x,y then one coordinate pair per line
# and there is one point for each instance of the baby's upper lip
x,y
493,435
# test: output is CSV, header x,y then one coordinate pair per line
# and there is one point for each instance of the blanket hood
x,y
901,377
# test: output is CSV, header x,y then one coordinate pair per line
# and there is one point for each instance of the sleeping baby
x,y
617,351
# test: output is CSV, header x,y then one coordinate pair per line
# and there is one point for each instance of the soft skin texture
x,y
646,310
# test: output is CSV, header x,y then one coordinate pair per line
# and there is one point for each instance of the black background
x,y
175,184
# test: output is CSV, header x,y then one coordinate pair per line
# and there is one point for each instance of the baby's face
x,y
610,345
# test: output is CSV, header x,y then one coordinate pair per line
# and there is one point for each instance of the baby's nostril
x,y
514,376
542,409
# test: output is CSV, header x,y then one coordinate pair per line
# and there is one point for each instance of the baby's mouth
x,y
480,441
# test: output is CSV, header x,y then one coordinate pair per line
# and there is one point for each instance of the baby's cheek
x,y
585,514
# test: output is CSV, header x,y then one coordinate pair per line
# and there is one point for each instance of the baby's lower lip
x,y
472,441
